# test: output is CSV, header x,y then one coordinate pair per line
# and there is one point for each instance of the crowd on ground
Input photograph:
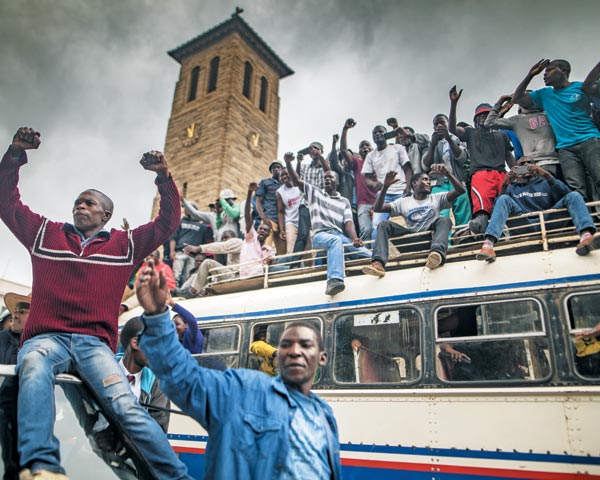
x,y
262,426
461,181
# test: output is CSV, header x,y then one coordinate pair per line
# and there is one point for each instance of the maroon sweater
x,y
75,289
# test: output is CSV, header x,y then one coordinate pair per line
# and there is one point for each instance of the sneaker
x,y
486,253
587,245
434,260
41,475
375,268
334,286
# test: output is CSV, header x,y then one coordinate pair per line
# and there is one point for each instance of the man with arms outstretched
x,y
79,273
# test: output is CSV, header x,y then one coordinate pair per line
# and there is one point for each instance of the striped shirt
x,y
313,173
327,212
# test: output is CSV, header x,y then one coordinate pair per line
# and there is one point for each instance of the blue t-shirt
x,y
308,441
568,110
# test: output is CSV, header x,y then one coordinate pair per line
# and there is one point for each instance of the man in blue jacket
x,y
529,188
259,426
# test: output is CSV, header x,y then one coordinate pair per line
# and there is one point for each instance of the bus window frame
x,y
381,385
571,332
228,352
544,333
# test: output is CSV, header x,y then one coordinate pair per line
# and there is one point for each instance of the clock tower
x,y
222,131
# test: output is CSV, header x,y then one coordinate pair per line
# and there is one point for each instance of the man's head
x,y
330,181
379,135
315,150
557,73
261,334
481,113
301,351
6,320
91,211
18,306
263,232
421,184
275,169
187,211
180,326
130,341
364,147
228,195
227,235
285,178
408,140
440,121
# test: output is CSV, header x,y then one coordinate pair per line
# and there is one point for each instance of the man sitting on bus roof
x,y
421,211
259,426
530,188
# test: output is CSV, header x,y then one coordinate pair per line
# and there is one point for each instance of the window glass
x,y
220,349
265,339
498,341
584,322
213,75
377,347
264,85
193,84
247,79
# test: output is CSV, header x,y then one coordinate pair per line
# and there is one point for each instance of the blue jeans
x,y
380,217
44,356
580,165
506,207
364,222
333,242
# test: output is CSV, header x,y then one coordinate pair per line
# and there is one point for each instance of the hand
x,y
335,138
537,171
288,157
538,67
299,158
357,242
252,187
191,250
282,234
170,301
454,95
438,169
154,161
350,123
26,138
390,179
125,225
151,290
392,122
503,99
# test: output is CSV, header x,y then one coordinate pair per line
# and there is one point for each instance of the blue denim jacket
x,y
247,414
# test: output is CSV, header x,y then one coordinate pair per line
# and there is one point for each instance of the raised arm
x,y
295,177
495,117
252,187
334,161
454,98
380,205
348,157
590,85
521,97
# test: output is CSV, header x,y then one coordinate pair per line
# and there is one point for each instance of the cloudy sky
x,y
94,77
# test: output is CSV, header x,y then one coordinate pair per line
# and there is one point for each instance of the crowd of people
x,y
264,426
466,179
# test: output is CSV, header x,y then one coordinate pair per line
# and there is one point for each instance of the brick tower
x,y
223,127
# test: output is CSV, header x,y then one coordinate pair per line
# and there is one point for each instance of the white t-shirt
x,y
420,214
391,158
291,197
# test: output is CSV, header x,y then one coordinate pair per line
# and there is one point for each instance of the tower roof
x,y
235,24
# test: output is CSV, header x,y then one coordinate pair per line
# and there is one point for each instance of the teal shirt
x,y
568,110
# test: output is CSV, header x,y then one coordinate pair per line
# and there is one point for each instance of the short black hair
x,y
130,330
562,65
415,178
440,115
107,203
309,325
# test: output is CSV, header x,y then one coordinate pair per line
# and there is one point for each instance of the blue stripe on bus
x,y
394,298
443,452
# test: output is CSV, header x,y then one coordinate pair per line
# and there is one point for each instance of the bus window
x,y
263,348
584,324
220,350
379,347
496,341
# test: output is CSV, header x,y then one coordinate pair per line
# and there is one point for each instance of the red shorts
x,y
486,185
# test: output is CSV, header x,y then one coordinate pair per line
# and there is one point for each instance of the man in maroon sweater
x,y
79,273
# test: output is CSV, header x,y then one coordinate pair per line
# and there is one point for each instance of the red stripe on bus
x,y
436,469
200,451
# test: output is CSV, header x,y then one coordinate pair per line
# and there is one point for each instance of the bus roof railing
x,y
554,230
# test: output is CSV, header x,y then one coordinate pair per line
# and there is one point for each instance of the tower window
x,y
264,87
247,79
193,84
213,75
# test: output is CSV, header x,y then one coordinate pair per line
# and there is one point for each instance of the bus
x,y
522,402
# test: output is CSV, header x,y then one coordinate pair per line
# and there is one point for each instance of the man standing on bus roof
x,y
79,273
331,219
259,426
